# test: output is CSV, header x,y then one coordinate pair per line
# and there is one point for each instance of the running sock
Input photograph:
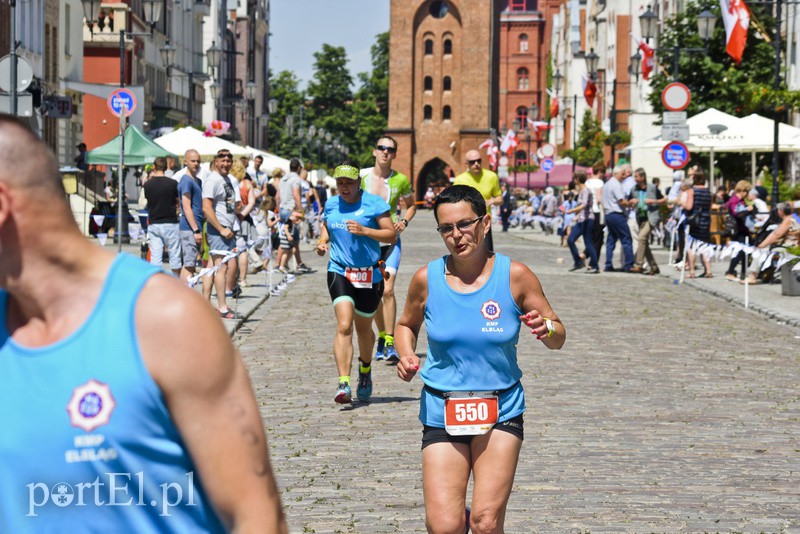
x,y
345,379
389,339
382,334
363,369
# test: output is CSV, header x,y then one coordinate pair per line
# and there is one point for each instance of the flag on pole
x,y
553,107
509,142
648,59
589,90
736,18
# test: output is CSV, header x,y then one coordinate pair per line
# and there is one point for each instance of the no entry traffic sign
x,y
675,155
118,98
676,97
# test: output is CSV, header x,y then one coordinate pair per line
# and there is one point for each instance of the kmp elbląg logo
x,y
490,310
91,405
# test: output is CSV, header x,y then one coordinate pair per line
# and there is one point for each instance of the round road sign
x,y
24,74
548,150
548,164
118,98
675,155
676,97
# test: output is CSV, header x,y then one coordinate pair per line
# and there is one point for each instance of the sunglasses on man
x,y
473,161
384,148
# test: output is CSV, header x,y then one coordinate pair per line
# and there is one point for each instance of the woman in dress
x,y
697,206
472,302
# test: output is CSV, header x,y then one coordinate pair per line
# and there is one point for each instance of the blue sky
x,y
299,28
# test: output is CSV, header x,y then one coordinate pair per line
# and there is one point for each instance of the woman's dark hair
x,y
460,193
699,177
580,176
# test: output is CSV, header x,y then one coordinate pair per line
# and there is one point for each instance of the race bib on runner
x,y
360,277
472,413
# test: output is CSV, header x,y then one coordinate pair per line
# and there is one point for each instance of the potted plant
x,y
790,279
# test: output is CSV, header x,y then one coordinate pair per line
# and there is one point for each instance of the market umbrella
x,y
139,150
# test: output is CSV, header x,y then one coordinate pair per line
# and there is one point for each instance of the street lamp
x,y
89,10
213,57
592,60
705,27
557,79
636,62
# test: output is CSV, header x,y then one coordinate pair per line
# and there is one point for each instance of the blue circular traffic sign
x,y
675,155
548,164
118,98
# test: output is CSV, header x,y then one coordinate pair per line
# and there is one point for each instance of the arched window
x,y
523,43
427,113
522,79
520,158
446,113
428,83
446,82
428,47
522,116
448,46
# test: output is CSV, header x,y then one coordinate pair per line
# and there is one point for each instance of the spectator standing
x,y
594,184
161,193
647,199
80,159
698,208
289,194
584,223
738,210
547,210
190,190
615,206
484,181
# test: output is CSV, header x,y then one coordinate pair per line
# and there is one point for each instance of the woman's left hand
x,y
355,228
535,322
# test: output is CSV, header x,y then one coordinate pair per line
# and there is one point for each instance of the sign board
x,y
503,161
24,104
675,155
548,164
673,117
118,98
548,150
675,132
676,97
24,74
502,171
59,107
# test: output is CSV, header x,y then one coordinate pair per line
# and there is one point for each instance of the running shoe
x,y
303,268
343,394
290,278
390,354
379,354
364,389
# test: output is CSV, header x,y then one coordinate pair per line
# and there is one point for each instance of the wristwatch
x,y
404,221
550,328
197,231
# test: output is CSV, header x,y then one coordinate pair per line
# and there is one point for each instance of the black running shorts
x,y
365,300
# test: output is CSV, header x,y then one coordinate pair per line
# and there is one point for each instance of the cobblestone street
x,y
667,409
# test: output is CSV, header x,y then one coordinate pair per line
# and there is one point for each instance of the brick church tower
x,y
443,91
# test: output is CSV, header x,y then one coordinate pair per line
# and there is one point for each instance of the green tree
x,y
285,89
591,138
370,109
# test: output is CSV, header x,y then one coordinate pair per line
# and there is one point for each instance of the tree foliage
x,y
591,139
354,119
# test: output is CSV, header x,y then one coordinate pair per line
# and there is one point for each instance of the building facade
x,y
443,64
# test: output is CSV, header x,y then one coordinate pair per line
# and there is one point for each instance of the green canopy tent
x,y
139,150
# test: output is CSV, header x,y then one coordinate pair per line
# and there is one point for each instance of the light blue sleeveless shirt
x,y
472,341
87,443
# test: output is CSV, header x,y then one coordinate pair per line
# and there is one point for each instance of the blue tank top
x,y
472,341
349,250
87,441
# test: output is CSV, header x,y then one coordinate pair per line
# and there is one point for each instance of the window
x,y
448,46
522,79
522,116
446,113
428,83
520,158
427,113
428,47
446,83
522,5
523,43
67,32
438,9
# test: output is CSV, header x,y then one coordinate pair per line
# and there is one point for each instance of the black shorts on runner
x,y
432,434
365,300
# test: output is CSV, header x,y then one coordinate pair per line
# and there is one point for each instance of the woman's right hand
x,y
407,367
322,247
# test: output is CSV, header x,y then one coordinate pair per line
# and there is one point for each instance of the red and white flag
x,y
589,90
736,18
491,151
509,142
648,59
553,107
539,126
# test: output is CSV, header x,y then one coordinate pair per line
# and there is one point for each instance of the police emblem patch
x,y
91,405
490,310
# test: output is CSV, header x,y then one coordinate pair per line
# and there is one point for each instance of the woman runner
x,y
472,301
355,222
